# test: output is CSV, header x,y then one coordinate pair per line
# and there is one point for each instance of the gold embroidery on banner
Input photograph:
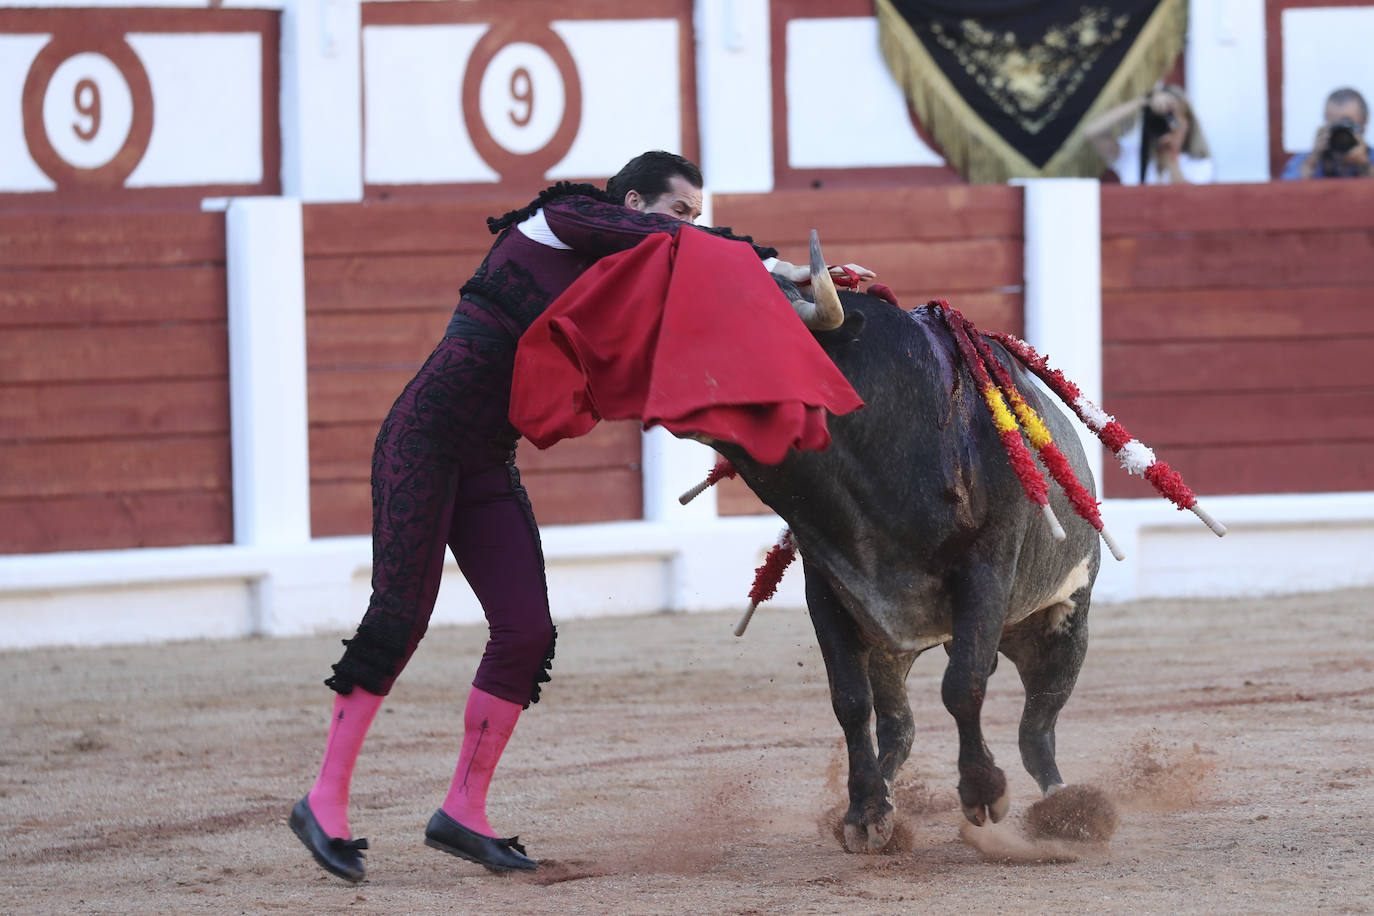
x,y
1030,84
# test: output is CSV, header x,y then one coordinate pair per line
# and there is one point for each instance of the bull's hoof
x,y
1051,789
870,837
978,815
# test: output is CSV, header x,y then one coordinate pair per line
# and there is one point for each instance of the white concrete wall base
x,y
1276,545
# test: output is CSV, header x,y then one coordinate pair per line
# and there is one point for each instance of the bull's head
x,y
825,313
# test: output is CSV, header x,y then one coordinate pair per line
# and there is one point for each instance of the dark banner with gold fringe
x,y
1004,87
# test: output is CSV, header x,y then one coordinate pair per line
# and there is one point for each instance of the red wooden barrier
x,y
381,282
1237,327
114,390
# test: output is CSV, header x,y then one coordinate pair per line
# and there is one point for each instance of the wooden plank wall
x,y
961,243
114,381
1237,318
1238,323
381,282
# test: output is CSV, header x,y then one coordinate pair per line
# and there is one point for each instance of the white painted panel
x,y
844,110
736,128
18,171
412,101
1228,84
1324,48
630,93
321,100
207,109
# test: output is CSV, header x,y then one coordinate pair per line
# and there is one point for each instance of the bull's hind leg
x,y
1048,650
868,822
980,601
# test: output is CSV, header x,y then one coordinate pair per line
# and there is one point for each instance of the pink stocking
x,y
353,714
487,725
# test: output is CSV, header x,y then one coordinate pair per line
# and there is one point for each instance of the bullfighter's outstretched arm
x,y
596,228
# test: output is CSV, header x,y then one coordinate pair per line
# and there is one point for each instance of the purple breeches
x,y
443,476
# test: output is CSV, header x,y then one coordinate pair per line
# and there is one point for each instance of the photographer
x,y
1153,140
1339,150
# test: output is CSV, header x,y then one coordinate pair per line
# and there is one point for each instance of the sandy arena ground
x,y
675,769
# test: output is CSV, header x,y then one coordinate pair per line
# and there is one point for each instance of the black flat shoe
x,y
336,855
447,835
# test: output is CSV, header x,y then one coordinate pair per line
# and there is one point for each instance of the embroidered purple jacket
x,y
526,269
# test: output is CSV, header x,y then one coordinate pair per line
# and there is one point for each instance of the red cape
x,y
686,331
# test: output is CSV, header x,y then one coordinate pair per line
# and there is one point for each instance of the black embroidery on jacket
x,y
496,224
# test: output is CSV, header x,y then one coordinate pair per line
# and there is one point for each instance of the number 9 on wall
x,y
88,111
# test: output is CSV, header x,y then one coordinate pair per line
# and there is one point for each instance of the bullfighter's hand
x,y
794,272
863,273
800,274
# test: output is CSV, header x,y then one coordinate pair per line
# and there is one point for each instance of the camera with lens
x,y
1342,137
1157,125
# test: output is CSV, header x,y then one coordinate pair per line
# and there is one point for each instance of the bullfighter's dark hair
x,y
649,174
495,224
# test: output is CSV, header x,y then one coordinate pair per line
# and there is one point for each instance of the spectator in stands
x,y
1339,149
1153,140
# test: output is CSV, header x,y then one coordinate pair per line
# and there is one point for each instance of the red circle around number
x,y
528,167
113,173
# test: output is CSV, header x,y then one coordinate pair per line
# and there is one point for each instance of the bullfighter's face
x,y
681,201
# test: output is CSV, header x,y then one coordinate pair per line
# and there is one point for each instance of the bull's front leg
x,y
869,821
892,710
979,608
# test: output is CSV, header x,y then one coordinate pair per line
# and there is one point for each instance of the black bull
x,y
914,532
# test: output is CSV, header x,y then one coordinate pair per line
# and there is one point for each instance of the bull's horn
x,y
829,314
812,315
